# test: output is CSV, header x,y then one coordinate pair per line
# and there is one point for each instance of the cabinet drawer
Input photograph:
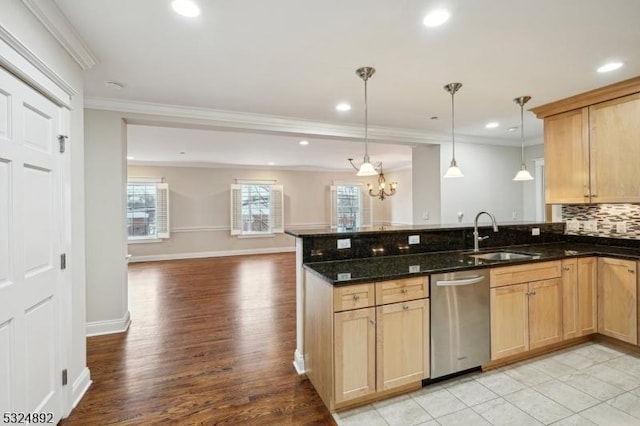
x,y
525,273
353,297
402,290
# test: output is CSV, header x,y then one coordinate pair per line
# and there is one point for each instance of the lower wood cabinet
x,y
579,297
618,299
525,315
358,346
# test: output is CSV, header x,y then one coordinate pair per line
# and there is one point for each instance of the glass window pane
x,y
348,207
256,208
141,210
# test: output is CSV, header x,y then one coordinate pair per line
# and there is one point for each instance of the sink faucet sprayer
x,y
476,236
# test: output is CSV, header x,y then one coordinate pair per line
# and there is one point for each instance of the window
x,y
147,210
351,207
256,208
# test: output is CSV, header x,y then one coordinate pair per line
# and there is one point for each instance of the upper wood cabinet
x,y
592,146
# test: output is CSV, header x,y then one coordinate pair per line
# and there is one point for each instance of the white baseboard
x,y
298,362
202,254
80,387
99,328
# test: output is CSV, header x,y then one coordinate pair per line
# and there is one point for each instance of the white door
x,y
30,246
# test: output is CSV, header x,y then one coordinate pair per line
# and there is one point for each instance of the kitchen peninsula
x,y
354,299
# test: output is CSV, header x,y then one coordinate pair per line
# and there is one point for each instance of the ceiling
x,y
297,59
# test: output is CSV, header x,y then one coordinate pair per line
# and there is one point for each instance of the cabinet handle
x,y
631,271
530,293
533,293
404,291
405,307
372,321
355,297
566,268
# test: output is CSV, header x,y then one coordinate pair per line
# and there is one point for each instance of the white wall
x,y
200,209
426,186
529,188
106,178
16,19
400,206
487,183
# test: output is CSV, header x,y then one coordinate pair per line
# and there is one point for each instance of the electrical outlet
x,y
460,216
425,215
343,276
414,268
514,215
414,239
535,231
590,226
621,227
344,243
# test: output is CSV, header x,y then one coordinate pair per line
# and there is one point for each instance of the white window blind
x,y
257,209
147,210
350,207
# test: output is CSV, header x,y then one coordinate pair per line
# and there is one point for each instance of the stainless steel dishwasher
x,y
460,322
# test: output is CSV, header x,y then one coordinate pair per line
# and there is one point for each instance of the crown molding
x,y
50,15
164,114
26,65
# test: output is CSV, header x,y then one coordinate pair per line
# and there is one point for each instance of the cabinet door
x,y
355,353
509,320
403,343
617,299
570,304
545,312
587,295
566,156
615,151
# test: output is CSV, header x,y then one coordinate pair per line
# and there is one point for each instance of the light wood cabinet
x,y
579,297
591,146
566,157
526,307
364,341
618,299
355,353
402,343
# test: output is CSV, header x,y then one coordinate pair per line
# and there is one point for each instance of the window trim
x,y
276,209
162,210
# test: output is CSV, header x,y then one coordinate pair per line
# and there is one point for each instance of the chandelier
x,y
382,187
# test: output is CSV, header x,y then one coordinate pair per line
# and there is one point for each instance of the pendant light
x,y
453,171
366,168
523,174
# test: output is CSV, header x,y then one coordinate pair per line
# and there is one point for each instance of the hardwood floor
x,y
211,342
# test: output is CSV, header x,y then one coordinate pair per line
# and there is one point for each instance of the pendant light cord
x,y
366,123
522,133
453,134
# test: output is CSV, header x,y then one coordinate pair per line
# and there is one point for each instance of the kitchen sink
x,y
504,255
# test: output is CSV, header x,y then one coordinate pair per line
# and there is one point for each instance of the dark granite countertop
x,y
389,229
344,272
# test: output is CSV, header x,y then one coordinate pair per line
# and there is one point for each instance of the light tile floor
x,y
591,384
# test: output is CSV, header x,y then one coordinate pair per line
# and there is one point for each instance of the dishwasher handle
x,y
462,281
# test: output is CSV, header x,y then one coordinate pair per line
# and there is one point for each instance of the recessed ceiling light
x,y
129,157
512,129
435,117
610,66
492,125
182,153
271,163
436,18
303,143
343,107
185,8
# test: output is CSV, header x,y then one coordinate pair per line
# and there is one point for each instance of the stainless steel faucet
x,y
476,236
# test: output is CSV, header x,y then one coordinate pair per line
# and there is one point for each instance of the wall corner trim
x,y
98,328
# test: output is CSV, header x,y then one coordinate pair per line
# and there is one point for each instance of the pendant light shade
x,y
523,174
366,168
453,171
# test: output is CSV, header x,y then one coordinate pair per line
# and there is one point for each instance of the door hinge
x,y
63,261
62,139
64,377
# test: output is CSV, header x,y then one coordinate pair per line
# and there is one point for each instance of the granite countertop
x,y
344,272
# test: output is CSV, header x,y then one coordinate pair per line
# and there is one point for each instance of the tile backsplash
x,y
603,220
